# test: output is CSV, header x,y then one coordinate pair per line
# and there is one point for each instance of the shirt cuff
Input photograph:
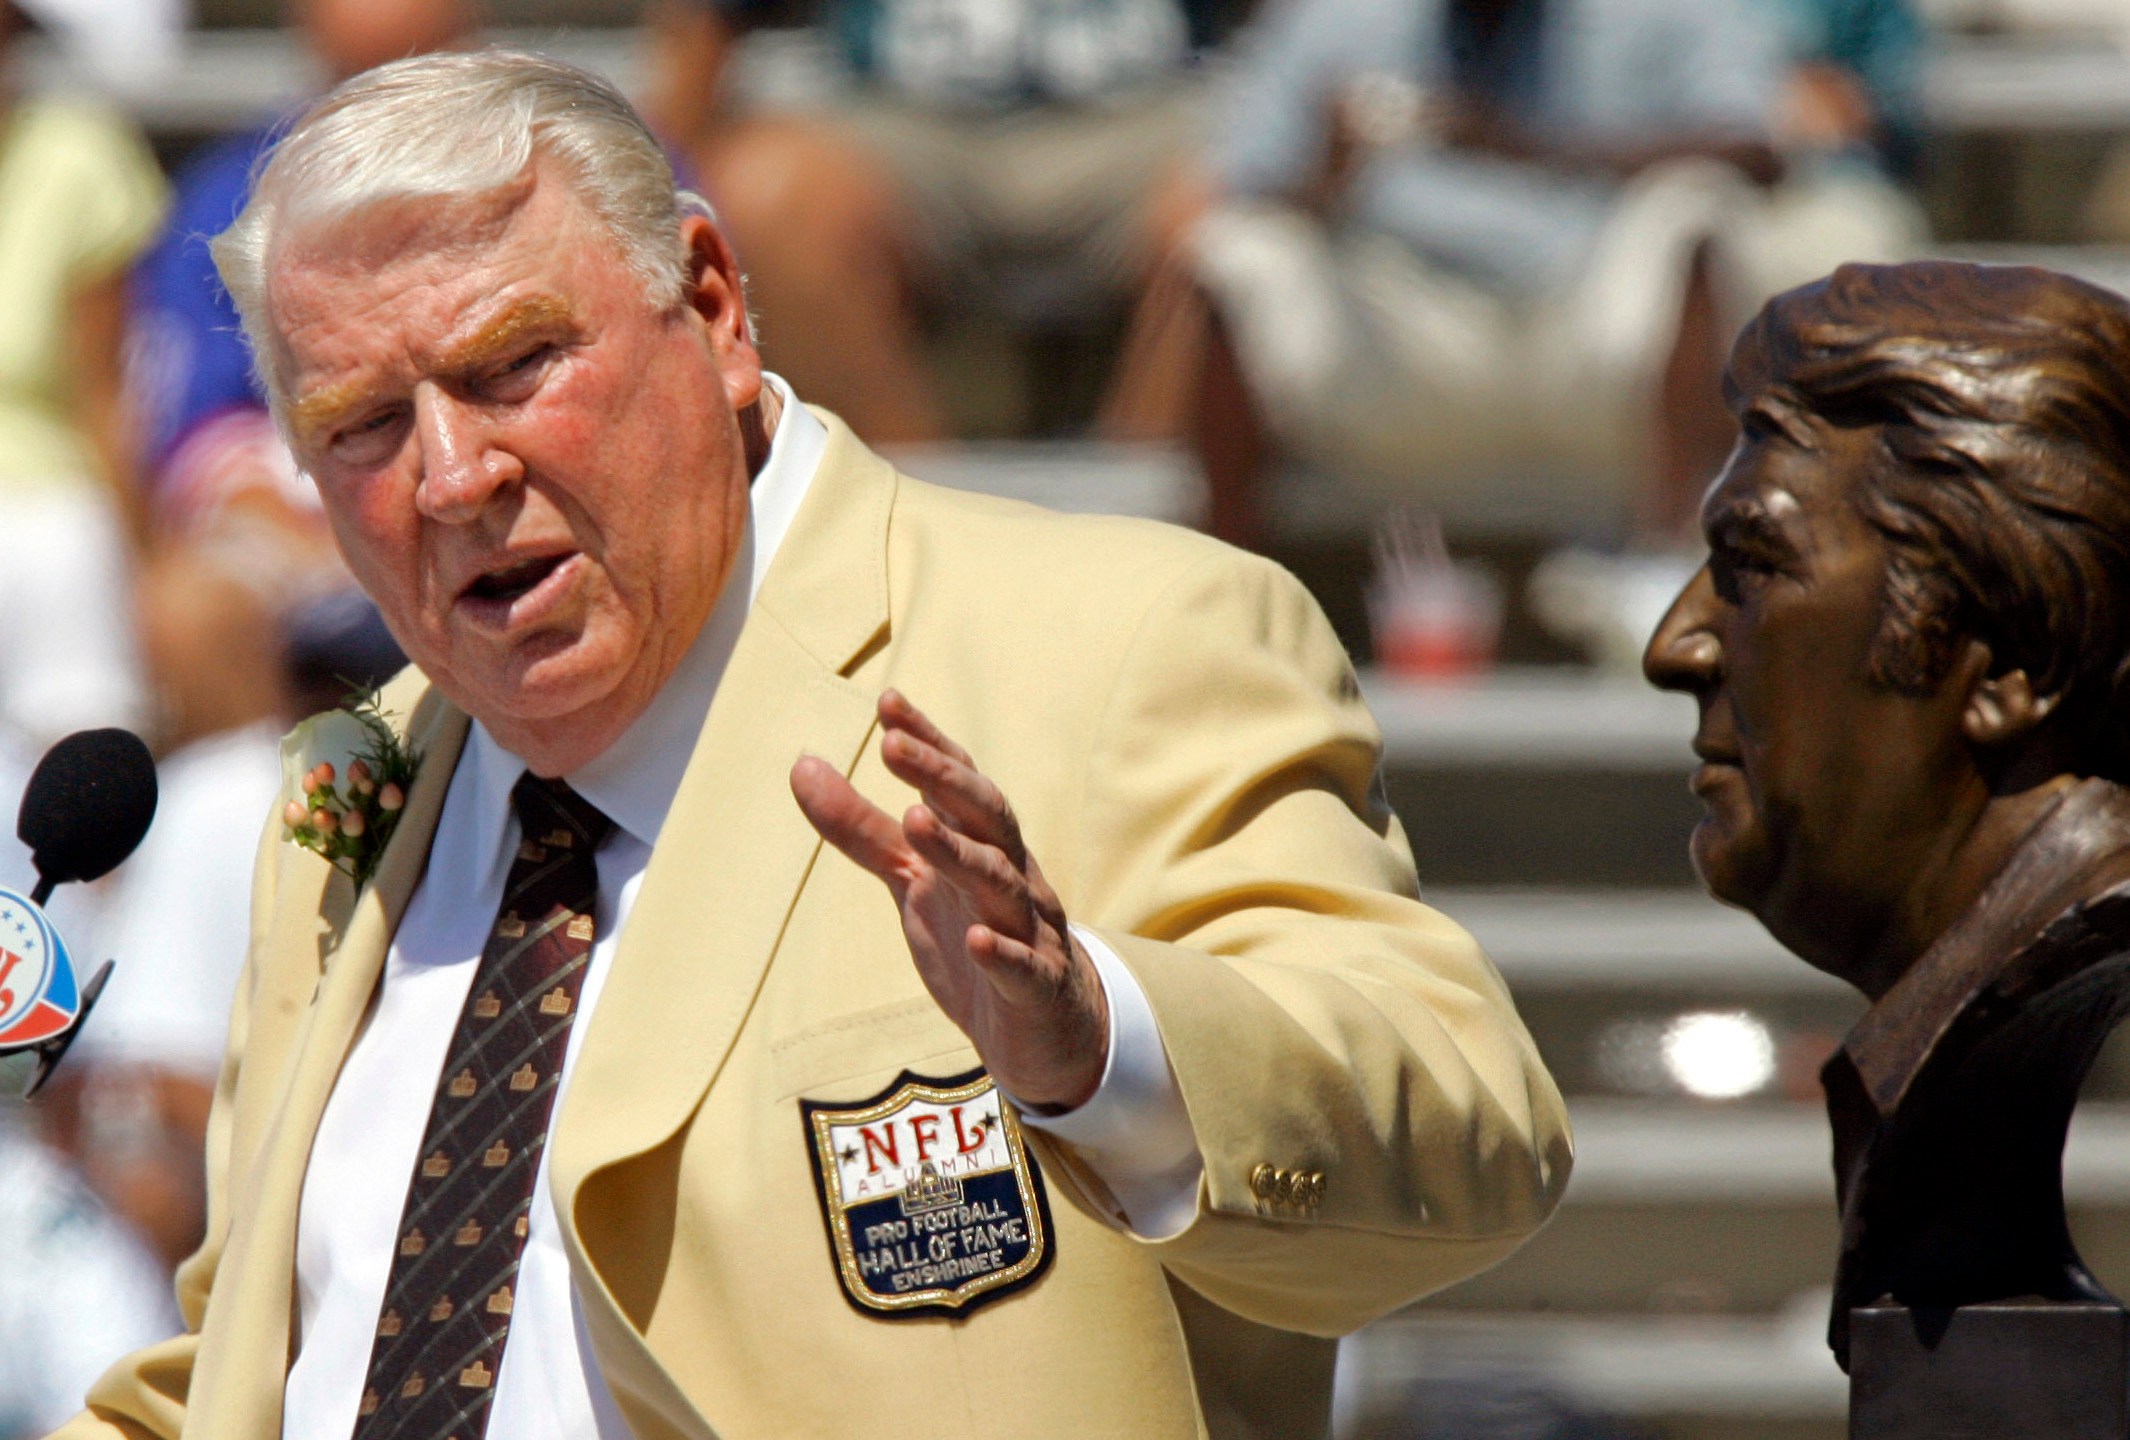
x,y
1133,1131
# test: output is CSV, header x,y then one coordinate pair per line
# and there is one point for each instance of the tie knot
x,y
544,804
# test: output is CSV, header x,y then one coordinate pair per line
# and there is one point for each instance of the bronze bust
x,y
1911,649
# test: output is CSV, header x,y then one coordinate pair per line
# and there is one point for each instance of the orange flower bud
x,y
324,821
293,814
391,798
352,824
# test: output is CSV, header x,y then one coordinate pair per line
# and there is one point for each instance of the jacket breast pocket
x,y
861,1051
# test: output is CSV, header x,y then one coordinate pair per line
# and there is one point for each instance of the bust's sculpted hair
x,y
456,124
2001,401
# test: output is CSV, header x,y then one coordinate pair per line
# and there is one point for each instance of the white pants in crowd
x,y
1418,385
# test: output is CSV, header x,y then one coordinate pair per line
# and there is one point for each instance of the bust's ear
x,y
2000,706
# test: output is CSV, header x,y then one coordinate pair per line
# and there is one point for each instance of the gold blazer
x,y
1184,743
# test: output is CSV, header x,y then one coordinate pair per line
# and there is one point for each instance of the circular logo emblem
x,y
27,954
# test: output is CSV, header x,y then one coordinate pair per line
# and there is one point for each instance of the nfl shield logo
x,y
38,998
932,1201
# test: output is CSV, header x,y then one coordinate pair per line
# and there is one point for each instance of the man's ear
x,y
714,293
2000,706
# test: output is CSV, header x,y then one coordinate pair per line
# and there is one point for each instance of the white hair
x,y
457,124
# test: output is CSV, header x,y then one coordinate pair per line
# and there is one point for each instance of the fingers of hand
x,y
993,886
897,713
850,822
1013,968
960,795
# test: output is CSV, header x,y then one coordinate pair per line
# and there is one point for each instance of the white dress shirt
x,y
1134,1131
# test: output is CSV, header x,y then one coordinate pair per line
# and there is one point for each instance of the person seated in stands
x,y
1849,127
129,1109
1475,253
239,541
78,1286
1855,87
79,196
1030,163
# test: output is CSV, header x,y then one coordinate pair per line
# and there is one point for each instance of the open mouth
x,y
514,581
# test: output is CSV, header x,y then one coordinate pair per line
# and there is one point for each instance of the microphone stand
x,y
50,1052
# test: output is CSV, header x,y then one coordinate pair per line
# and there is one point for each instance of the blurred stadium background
x,y
1680,1292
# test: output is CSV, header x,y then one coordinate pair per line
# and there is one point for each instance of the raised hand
x,y
985,929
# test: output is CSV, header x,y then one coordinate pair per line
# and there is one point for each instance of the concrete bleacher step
x,y
1554,776
1693,1375
1682,1282
1096,477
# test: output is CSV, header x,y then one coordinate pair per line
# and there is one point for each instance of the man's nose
x,y
1684,653
462,467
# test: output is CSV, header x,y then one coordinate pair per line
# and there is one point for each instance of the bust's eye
x,y
1735,573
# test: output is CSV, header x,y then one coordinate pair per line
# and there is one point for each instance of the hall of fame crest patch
x,y
933,1204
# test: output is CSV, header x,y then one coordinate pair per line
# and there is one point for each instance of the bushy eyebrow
x,y
1780,414
494,341
315,409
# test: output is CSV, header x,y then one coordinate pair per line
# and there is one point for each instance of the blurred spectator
x,y
1484,250
1849,126
78,1286
130,1106
1855,83
226,501
1032,160
77,1289
126,46
79,195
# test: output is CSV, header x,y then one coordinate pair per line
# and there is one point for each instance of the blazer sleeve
x,y
1373,1118
142,1396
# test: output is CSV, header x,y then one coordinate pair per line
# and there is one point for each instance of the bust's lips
x,y
1717,762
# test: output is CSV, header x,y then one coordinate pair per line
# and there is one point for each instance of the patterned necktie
x,y
448,1303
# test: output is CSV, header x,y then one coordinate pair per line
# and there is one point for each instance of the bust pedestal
x,y
1998,1371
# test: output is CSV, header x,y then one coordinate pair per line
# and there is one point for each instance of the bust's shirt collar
x,y
634,780
2072,856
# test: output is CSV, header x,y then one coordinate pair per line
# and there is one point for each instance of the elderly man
x,y
1117,1174
1911,652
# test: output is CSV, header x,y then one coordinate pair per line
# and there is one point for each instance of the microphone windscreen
x,y
88,804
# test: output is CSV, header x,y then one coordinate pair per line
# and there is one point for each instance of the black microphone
x,y
87,805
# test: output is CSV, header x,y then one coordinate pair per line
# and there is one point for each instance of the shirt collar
x,y
2072,855
634,780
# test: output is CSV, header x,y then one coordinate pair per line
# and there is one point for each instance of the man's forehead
x,y
394,232
343,265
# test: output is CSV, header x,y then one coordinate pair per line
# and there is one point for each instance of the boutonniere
x,y
346,774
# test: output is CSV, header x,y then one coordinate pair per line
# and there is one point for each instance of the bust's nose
x,y
1683,653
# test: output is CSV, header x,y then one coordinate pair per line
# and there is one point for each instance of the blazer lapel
x,y
249,1320
720,884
